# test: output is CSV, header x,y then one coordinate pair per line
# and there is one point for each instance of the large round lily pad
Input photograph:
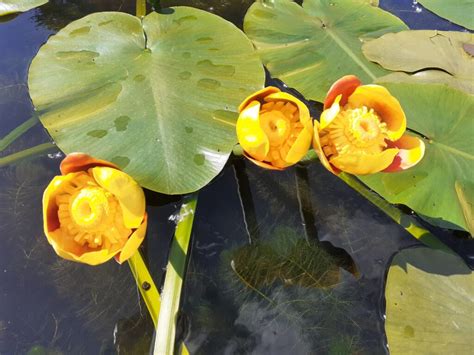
x,y
157,96
436,187
309,47
12,6
430,302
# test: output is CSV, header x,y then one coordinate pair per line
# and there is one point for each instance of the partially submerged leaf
x,y
157,97
312,46
457,11
435,56
443,115
13,6
429,302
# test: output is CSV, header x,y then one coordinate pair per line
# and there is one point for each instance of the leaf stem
x,y
27,153
17,132
166,328
410,224
140,8
148,289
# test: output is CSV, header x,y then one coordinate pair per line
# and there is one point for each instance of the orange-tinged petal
x,y
345,86
283,96
363,164
81,162
319,150
262,164
251,136
384,104
127,191
412,150
50,208
300,147
133,242
330,114
258,96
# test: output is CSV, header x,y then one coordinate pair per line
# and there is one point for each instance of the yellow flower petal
x,y
133,242
262,164
301,145
363,164
330,114
66,248
127,191
319,150
412,150
251,136
384,104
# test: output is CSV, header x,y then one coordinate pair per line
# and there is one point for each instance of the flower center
x,y
357,130
280,121
89,207
90,214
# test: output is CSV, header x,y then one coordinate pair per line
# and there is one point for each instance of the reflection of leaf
x,y
12,6
430,298
312,46
169,84
457,11
435,56
444,116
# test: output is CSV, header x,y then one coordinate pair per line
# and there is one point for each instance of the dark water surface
x,y
283,293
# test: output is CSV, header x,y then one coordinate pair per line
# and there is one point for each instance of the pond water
x,y
252,284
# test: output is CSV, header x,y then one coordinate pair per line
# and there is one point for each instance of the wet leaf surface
x,y
158,99
309,47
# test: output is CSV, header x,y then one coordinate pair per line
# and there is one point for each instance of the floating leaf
x,y
312,46
13,6
457,11
430,298
158,97
435,56
444,116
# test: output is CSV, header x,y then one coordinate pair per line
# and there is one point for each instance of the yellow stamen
x,y
355,130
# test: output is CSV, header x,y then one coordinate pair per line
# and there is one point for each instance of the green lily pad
x,y
429,298
444,116
312,46
435,56
12,6
158,97
457,11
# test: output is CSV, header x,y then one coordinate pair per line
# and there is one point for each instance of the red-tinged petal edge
x,y
345,86
75,162
262,164
412,150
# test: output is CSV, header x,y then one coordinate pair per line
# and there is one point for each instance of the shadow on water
x,y
291,289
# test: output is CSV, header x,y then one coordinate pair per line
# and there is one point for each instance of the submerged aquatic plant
x,y
93,211
274,128
361,130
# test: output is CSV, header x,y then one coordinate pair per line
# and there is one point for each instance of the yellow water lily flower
x,y
93,211
361,130
274,128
